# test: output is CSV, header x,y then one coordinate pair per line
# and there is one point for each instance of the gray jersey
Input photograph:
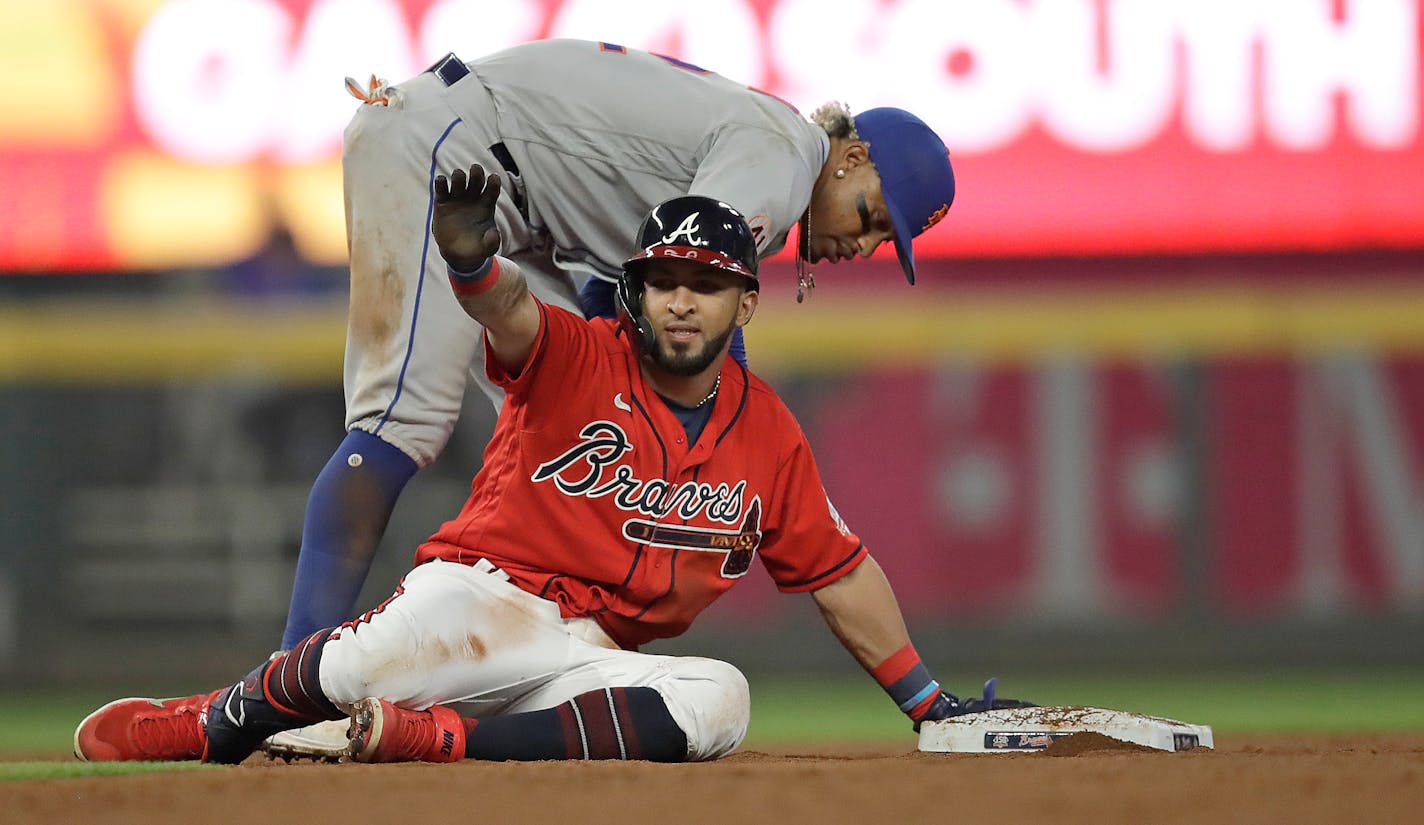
x,y
600,134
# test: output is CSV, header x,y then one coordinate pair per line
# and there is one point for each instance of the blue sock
x,y
596,301
347,513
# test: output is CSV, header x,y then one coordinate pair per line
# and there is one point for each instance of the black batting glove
x,y
463,224
948,706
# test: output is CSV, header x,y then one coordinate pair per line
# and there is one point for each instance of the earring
x,y
840,173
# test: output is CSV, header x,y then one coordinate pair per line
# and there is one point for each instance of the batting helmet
x,y
689,228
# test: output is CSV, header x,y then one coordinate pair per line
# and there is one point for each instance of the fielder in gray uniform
x,y
587,137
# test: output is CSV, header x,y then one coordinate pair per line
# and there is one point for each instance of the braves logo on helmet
x,y
688,229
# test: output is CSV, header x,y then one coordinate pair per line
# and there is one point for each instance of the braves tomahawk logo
x,y
739,545
590,469
687,229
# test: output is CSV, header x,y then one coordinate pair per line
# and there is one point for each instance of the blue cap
x,y
915,174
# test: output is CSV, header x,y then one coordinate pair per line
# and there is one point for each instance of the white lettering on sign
x,y
222,81
722,37
467,27
340,38
1352,421
205,74
972,77
1103,85
822,56
1371,58
1217,109
1105,76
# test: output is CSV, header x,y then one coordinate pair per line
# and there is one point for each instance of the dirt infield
x,y
1319,779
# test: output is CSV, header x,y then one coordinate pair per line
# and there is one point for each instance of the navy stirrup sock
x,y
612,723
347,512
281,693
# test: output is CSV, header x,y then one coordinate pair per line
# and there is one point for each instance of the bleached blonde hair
x,y
836,119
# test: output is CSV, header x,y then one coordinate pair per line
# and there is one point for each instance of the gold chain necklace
x,y
805,281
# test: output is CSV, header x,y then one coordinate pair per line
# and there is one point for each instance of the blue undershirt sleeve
x,y
596,299
738,350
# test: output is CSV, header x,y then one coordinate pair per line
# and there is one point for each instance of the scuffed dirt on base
x,y
1319,779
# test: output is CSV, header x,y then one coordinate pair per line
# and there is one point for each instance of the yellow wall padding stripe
x,y
88,343
130,344
1102,324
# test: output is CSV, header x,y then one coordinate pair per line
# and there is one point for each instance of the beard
x,y
682,360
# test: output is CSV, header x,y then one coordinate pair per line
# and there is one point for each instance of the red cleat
x,y
382,732
145,729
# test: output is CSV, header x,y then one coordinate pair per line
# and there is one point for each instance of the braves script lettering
x,y
587,469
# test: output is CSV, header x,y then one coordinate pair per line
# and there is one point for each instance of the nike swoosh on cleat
x,y
241,710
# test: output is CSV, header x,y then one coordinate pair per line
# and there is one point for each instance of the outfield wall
x,y
1056,462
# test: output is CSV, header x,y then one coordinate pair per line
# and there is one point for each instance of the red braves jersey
x,y
591,496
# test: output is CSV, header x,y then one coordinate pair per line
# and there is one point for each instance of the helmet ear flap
x,y
629,297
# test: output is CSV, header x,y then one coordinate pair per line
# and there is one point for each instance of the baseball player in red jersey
x,y
635,474
589,136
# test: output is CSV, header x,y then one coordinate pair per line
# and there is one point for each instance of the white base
x,y
1033,729
321,741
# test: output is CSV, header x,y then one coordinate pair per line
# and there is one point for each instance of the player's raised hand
x,y
463,225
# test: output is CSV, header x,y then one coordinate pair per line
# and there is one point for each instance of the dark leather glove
x,y
947,705
463,224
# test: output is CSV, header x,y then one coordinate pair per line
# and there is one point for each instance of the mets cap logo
x,y
936,217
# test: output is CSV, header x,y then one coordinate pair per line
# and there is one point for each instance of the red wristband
x,y
894,668
908,682
476,283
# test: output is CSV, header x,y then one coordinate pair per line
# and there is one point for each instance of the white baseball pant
x,y
456,633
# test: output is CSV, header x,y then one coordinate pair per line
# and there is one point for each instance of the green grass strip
x,y
850,707
18,771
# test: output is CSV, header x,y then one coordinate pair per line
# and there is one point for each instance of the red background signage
x,y
152,134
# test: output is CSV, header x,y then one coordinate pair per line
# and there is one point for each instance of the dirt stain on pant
x,y
377,295
509,620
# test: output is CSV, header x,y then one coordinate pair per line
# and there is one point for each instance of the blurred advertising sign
x,y
1255,486
144,133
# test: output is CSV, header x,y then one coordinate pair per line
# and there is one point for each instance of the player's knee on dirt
x,y
710,700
